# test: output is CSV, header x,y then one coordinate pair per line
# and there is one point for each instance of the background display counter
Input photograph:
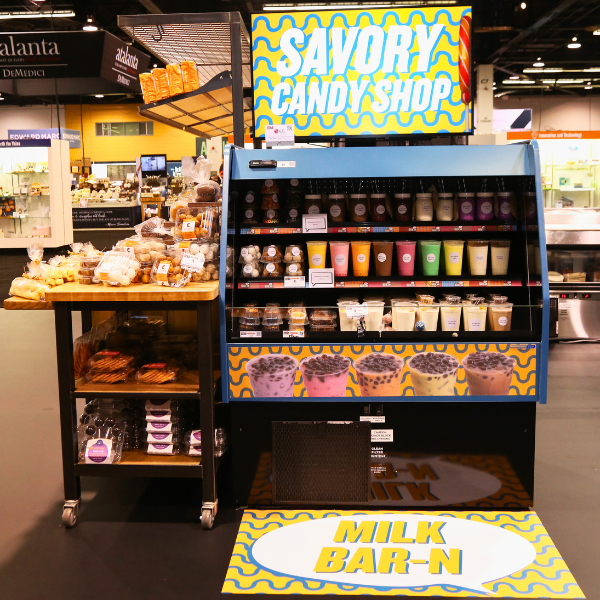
x,y
34,195
431,324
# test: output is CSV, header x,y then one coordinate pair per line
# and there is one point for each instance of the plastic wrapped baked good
x,y
106,361
293,253
83,349
157,373
271,254
153,228
251,270
229,262
272,270
161,83
249,254
28,289
189,74
44,273
323,316
117,269
148,88
209,271
205,190
168,271
175,80
164,449
197,222
295,269
271,216
111,377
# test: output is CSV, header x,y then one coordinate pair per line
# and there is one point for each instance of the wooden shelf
x,y
16,303
187,387
134,463
136,292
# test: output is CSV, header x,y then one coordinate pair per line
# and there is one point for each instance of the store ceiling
x,y
509,36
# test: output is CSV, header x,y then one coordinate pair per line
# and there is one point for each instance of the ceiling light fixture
x,y
514,77
538,64
89,26
596,32
523,5
154,65
43,14
520,81
548,70
574,44
588,87
99,96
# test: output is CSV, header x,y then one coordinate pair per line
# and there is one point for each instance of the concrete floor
x,y
141,539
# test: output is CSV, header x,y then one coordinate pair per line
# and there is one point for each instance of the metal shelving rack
x,y
217,43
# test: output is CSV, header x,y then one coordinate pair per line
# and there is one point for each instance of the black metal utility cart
x,y
193,386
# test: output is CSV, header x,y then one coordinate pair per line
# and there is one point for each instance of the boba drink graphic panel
x,y
405,371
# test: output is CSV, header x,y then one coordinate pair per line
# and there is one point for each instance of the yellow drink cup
x,y
453,256
317,252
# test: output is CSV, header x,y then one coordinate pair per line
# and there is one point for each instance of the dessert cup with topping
x,y
489,373
272,376
325,375
379,374
433,373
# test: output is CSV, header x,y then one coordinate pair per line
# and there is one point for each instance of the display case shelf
x,y
371,228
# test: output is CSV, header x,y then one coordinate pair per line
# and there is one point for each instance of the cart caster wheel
x,y
69,517
207,519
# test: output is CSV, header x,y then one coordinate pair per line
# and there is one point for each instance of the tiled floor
x,y
141,539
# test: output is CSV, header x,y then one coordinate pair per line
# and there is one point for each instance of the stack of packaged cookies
x,y
165,424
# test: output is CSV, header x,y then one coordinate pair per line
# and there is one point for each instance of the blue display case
x,y
512,168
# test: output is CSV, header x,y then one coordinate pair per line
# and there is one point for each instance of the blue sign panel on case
x,y
73,136
24,143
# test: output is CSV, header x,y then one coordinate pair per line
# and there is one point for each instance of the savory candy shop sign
x,y
448,554
358,72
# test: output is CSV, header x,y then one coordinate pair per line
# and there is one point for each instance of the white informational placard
x,y
321,278
293,334
314,223
279,135
294,282
374,418
382,435
355,312
250,334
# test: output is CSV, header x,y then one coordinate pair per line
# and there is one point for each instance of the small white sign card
x,y
279,135
314,223
321,278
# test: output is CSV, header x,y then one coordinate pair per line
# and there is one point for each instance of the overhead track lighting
x,y
518,81
574,44
42,14
90,26
351,5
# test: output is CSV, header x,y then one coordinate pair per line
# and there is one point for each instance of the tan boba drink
x,y
489,373
379,374
433,373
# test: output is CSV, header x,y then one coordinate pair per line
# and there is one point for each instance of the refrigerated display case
x,y
35,193
431,311
573,250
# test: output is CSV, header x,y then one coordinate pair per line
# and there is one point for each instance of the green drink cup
x,y
430,256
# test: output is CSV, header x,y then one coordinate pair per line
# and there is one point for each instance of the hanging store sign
x,y
73,136
553,135
447,554
70,55
358,72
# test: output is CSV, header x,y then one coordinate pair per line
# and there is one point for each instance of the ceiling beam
x,y
532,29
151,7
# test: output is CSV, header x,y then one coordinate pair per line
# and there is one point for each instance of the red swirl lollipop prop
x,y
464,62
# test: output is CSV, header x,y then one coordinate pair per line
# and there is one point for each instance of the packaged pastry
x,y
153,228
297,316
271,216
251,270
83,350
249,254
322,316
189,74
28,289
168,270
270,201
272,270
174,79
269,188
210,250
293,253
230,260
205,190
120,376
117,269
164,449
157,373
295,269
209,271
251,216
197,222
271,254
106,361
148,88
161,83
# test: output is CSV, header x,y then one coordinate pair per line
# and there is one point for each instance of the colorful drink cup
x,y
374,318
405,252
444,211
272,376
428,314
325,375
347,323
430,256
453,256
379,374
450,311
339,258
485,206
424,207
504,204
317,252
433,373
466,206
403,315
402,207
500,314
489,373
383,253
361,252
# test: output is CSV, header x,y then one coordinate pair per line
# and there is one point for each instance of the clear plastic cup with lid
x,y
466,206
485,206
378,211
402,207
500,314
450,311
336,208
444,210
424,207
358,208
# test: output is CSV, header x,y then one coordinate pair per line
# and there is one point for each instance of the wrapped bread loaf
x,y
175,80
161,82
148,88
189,74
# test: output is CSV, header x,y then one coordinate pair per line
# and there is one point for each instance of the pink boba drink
x,y
272,376
339,258
405,251
325,375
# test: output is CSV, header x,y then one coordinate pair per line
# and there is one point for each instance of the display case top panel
x,y
387,161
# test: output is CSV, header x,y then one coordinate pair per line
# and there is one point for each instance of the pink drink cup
x,y
405,252
339,258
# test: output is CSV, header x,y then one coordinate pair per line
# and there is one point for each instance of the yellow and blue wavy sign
x,y
410,553
359,72
284,377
